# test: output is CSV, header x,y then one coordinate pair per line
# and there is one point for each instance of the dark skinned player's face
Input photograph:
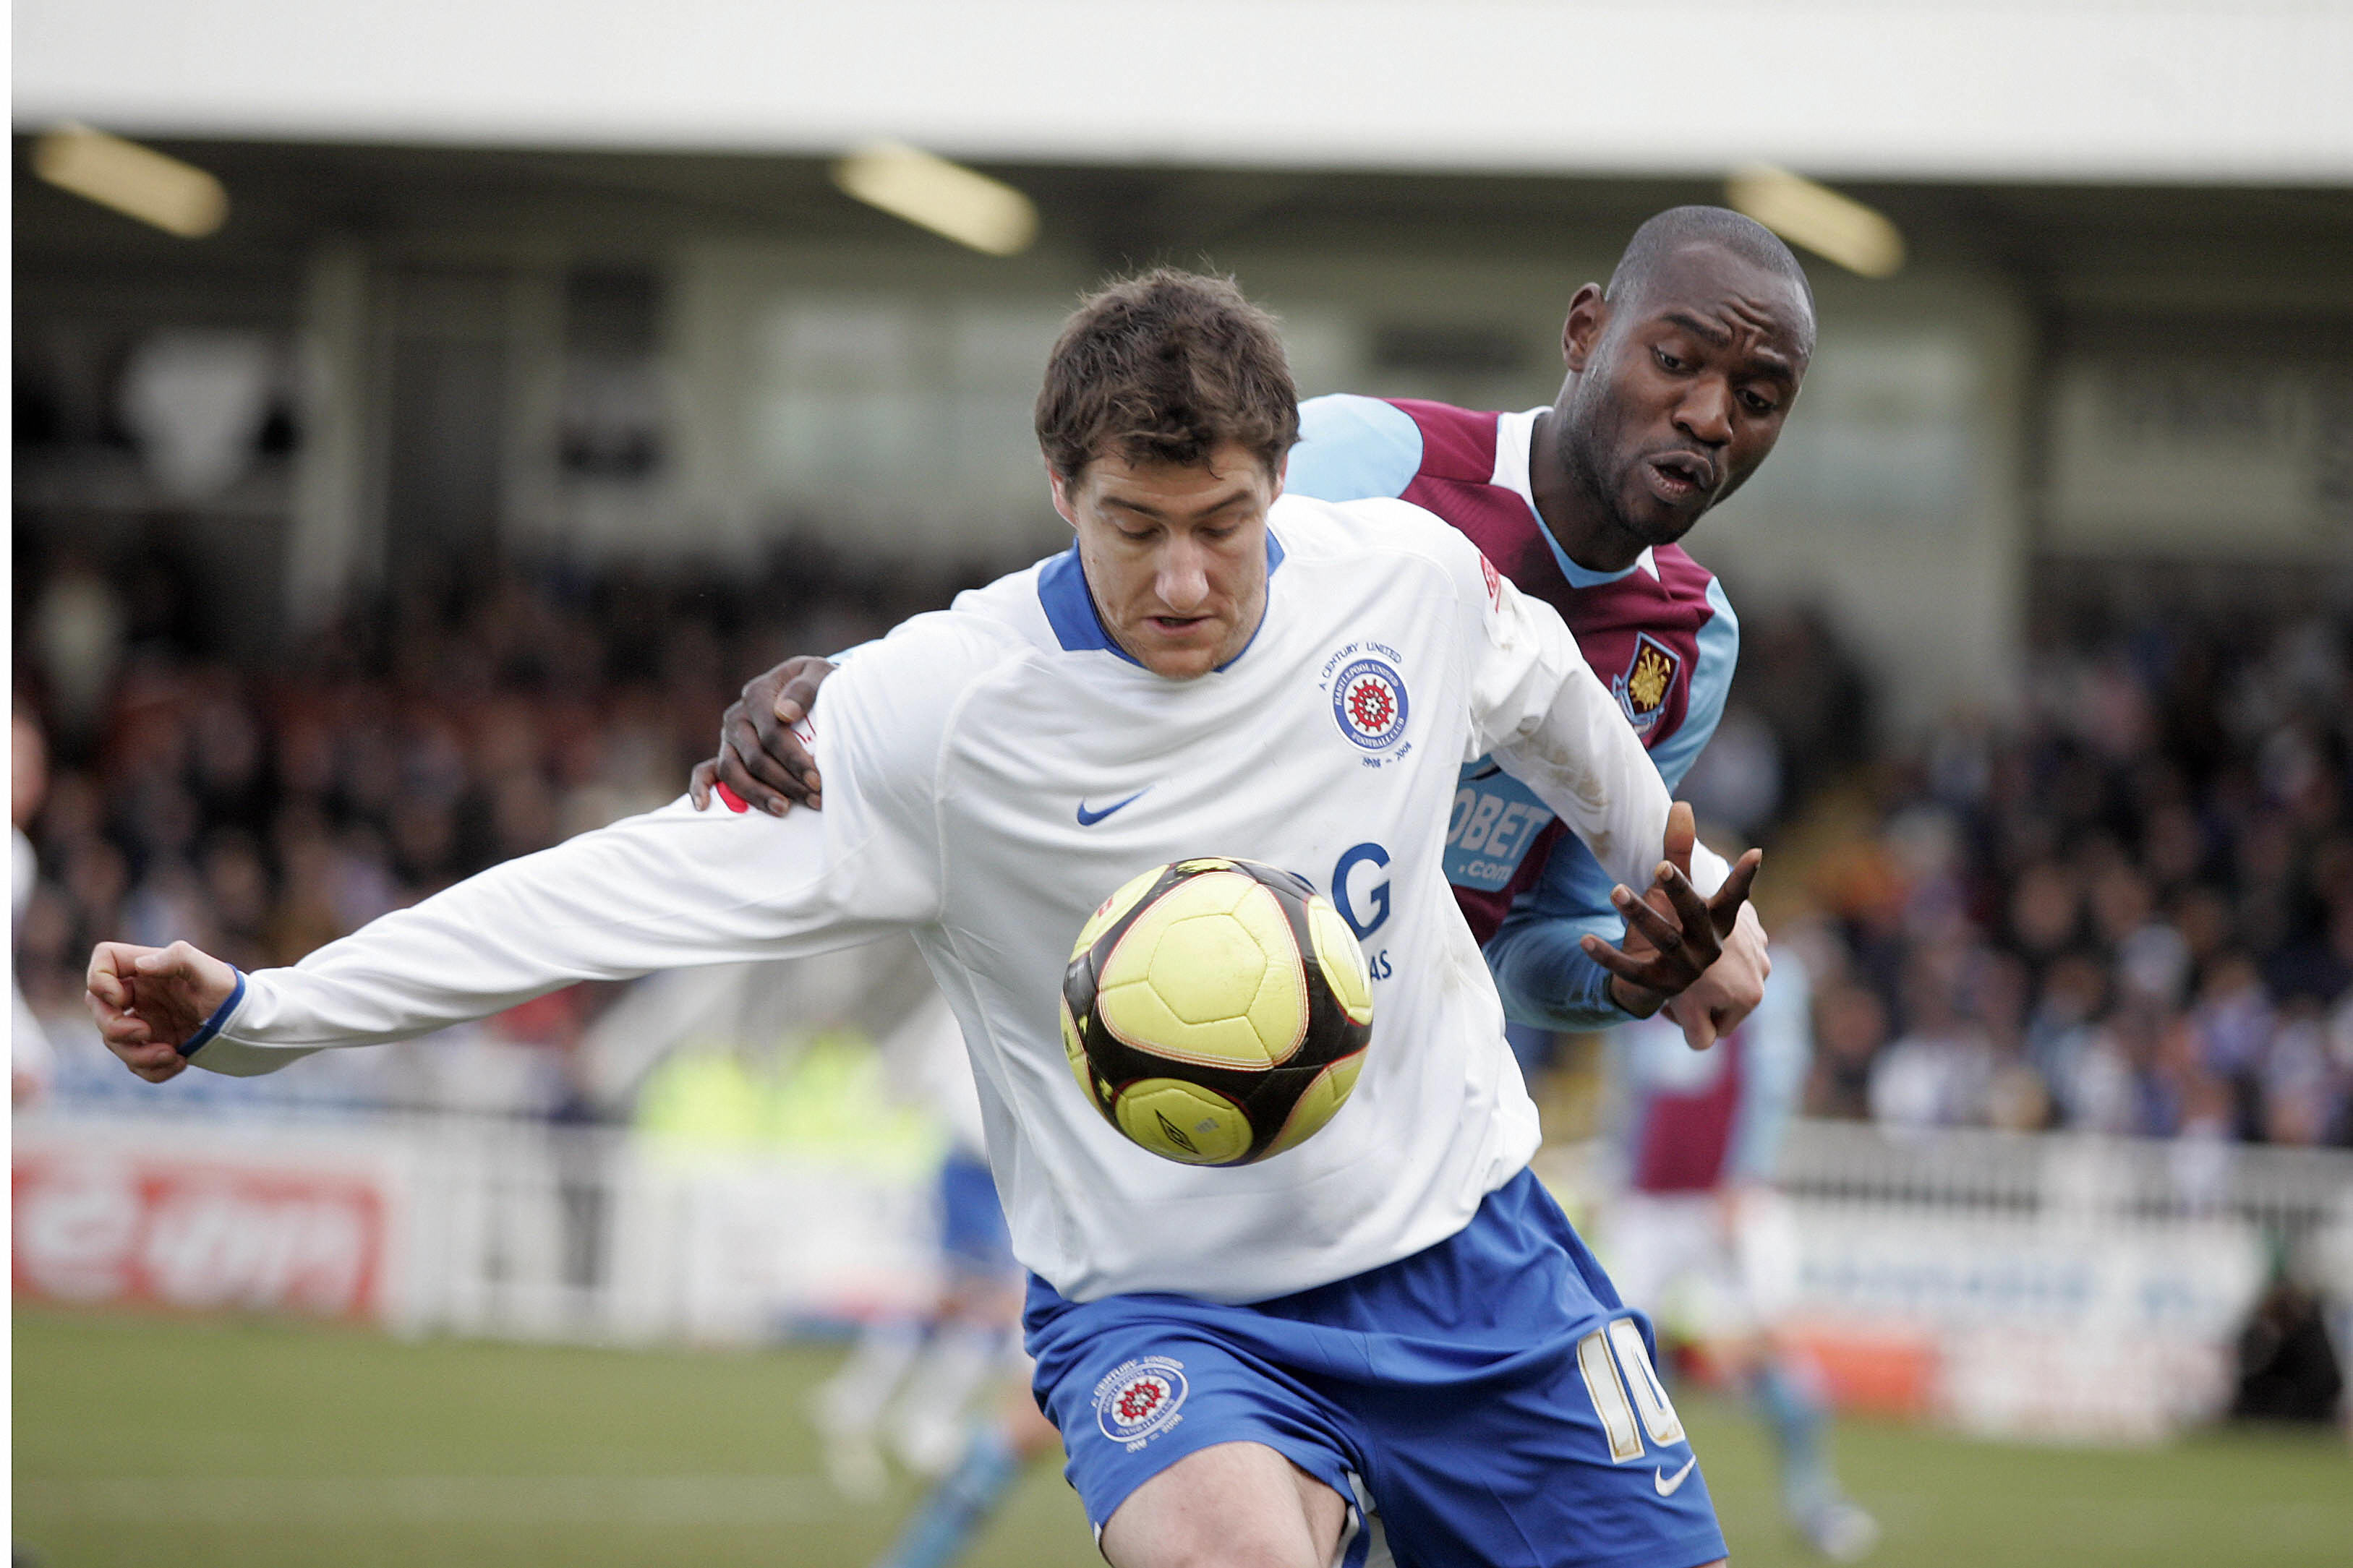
x,y
1680,389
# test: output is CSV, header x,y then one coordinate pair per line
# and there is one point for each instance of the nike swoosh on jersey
x,y
1089,819
1666,1484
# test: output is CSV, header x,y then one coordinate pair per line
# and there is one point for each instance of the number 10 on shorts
x,y
1602,1381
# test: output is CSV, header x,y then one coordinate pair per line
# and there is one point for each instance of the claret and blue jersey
x,y
1661,636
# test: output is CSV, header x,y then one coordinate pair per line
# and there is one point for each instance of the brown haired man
x,y
1389,1329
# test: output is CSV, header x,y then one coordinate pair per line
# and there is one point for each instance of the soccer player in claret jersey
x,y
1389,1332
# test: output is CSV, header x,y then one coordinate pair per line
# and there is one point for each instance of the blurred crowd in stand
x,y
262,809
2126,905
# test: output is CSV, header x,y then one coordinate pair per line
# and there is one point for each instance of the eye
x,y
1758,403
1671,362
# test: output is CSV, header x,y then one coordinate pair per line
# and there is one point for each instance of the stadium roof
x,y
2163,91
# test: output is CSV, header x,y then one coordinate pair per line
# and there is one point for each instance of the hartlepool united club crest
x,y
1138,1400
1368,697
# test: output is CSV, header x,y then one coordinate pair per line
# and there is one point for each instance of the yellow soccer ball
x,y
1217,1011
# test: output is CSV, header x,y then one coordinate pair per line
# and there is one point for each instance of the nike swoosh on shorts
x,y
1666,1485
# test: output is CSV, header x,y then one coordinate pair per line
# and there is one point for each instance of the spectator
x,y
2129,910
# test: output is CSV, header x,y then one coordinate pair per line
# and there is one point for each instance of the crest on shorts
x,y
1649,679
1139,1399
1368,702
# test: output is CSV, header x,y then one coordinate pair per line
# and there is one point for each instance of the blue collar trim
x,y
1078,624
1580,576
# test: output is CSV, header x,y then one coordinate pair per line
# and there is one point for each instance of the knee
x,y
1206,1540
1232,1505
1229,1551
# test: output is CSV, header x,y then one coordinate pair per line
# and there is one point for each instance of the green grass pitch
x,y
154,1440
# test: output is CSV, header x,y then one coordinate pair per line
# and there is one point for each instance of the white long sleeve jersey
x,y
992,772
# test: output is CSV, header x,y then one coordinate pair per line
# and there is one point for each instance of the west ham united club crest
x,y
1649,676
1138,1400
1368,700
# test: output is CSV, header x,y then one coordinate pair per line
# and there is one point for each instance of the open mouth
x,y
1679,476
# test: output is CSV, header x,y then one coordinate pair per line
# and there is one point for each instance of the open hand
x,y
1673,936
761,762
150,1001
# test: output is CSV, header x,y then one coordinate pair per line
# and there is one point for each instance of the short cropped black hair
x,y
1720,227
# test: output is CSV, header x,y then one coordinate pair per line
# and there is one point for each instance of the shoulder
x,y
1457,443
1686,581
1383,525
1351,447
1380,533
896,701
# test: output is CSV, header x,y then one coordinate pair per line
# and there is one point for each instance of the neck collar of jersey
x,y
1514,434
1078,626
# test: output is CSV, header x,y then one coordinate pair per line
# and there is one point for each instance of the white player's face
x,y
1174,554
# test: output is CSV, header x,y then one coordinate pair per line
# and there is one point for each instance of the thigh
x,y
1135,1396
1232,1502
1574,1458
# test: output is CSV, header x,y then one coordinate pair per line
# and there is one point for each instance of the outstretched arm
x,y
1547,717
668,890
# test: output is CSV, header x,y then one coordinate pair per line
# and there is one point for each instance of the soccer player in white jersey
x,y
1389,1335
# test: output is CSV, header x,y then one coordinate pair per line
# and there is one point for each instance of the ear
x,y
1061,490
1588,314
1282,478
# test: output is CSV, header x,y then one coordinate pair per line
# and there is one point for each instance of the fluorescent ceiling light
x,y
946,198
1837,228
138,181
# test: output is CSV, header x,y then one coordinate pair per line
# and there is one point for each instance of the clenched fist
x,y
151,1001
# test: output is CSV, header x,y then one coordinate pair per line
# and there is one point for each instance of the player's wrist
x,y
1634,1001
218,1019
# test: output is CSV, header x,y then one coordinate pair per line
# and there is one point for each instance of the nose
x,y
1705,412
1182,580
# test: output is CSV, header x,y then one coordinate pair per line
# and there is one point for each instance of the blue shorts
x,y
972,1219
1489,1398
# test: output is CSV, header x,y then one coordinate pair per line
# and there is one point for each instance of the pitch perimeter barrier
x,y
2052,1284
2031,1285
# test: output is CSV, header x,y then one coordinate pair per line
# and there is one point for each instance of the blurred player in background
x,y
1390,1330
1697,1238
917,1377
973,1456
1679,374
